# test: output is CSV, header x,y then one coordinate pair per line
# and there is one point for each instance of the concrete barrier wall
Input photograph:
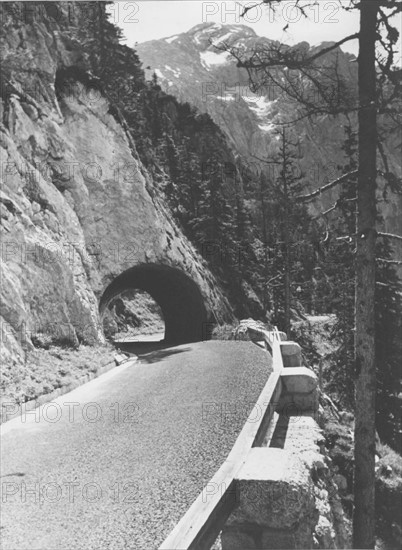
x,y
291,354
268,498
276,504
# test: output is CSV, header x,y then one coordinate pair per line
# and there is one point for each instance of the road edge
x,y
33,404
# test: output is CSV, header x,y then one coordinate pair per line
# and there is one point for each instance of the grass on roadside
x,y
46,370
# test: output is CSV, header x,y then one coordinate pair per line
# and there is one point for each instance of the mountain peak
x,y
206,33
216,27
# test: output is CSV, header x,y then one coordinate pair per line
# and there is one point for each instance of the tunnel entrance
x,y
178,296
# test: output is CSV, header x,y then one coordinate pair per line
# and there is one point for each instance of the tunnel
x,y
178,296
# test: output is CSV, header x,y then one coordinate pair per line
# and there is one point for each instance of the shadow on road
x,y
160,355
150,352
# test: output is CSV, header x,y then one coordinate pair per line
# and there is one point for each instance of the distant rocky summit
x,y
193,67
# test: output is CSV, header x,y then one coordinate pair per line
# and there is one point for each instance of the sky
x,y
148,19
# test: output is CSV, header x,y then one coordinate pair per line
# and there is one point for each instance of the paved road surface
x,y
119,474
153,337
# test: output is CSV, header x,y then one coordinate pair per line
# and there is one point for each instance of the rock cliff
x,y
78,208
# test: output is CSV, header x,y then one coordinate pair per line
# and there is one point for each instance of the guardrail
x,y
202,523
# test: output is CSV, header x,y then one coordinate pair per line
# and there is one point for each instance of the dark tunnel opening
x,y
178,296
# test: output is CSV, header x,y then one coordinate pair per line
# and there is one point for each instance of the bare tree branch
x,y
345,177
383,284
389,235
265,161
248,8
287,57
394,262
333,207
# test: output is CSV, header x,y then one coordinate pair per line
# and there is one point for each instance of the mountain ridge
x,y
191,68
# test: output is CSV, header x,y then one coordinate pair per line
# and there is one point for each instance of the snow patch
x,y
171,38
205,31
213,28
158,73
176,72
267,127
260,105
197,40
221,39
212,59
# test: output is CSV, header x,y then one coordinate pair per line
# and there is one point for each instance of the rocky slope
x,y
133,315
77,205
192,67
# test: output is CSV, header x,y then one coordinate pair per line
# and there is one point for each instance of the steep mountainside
x,y
193,67
78,207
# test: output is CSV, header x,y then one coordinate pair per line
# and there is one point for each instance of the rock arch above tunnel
x,y
176,293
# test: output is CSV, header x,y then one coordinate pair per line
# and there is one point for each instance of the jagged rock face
x,y
191,67
77,206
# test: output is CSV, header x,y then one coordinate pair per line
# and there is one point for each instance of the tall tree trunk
x,y
364,475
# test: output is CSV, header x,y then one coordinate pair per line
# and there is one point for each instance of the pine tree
x,y
262,245
340,267
289,226
388,348
245,258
